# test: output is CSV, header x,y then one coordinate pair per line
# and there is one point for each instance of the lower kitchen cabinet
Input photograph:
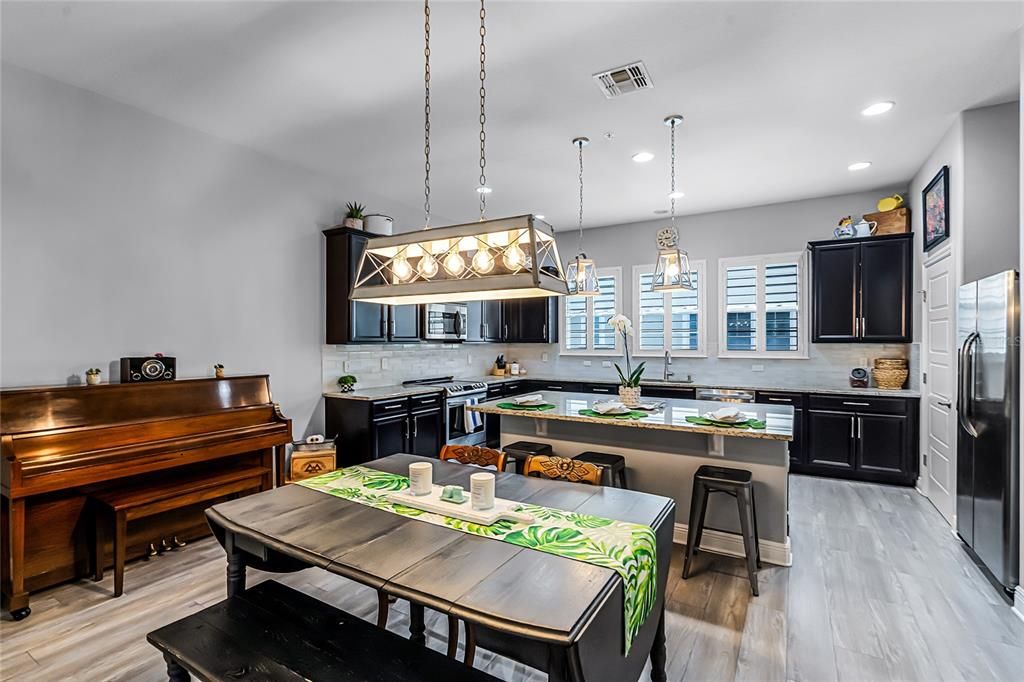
x,y
365,430
797,401
866,438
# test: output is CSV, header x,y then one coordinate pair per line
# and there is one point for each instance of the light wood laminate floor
x,y
880,589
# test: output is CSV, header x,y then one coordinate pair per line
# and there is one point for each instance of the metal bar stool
x,y
613,467
739,484
522,450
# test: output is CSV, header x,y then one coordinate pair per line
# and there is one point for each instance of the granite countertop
x,y
656,383
672,417
383,392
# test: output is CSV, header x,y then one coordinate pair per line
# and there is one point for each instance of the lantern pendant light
x,y
581,273
492,259
672,272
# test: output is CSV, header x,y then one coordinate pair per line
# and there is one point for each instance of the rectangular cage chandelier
x,y
488,260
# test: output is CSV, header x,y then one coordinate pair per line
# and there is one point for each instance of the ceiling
x,y
771,92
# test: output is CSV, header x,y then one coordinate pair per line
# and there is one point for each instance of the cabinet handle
x,y
856,404
944,403
851,427
781,400
863,326
383,326
856,327
545,332
552,387
415,427
860,427
396,406
601,390
505,337
405,429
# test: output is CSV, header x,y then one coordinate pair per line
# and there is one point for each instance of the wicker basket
x,y
890,378
891,363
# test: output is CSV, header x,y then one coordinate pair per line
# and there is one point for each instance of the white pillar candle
x,y
421,478
481,491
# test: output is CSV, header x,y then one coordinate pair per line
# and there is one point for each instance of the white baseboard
x,y
777,553
1018,601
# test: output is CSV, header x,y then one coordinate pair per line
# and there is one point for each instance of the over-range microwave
x,y
444,321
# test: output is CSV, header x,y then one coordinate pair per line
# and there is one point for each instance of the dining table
x,y
560,615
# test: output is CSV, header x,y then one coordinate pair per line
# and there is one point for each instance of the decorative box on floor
x,y
311,459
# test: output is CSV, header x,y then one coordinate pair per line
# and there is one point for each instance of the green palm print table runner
x,y
627,548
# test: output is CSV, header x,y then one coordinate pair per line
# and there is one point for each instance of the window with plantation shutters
x,y
761,308
668,320
585,318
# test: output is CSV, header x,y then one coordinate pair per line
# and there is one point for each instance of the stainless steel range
x,y
461,426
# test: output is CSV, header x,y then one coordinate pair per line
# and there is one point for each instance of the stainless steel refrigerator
x,y
987,456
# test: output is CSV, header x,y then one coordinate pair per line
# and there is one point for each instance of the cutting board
x,y
502,509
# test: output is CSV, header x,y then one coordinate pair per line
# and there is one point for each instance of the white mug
x,y
481,491
421,478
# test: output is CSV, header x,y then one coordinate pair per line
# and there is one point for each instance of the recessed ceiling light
x,y
878,108
676,195
860,165
538,216
643,157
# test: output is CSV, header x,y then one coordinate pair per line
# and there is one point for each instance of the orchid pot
x,y
629,378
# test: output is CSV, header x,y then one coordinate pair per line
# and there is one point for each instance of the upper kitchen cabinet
x,y
351,321
484,320
531,320
861,289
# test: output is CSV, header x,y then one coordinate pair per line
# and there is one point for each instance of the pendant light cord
x,y
426,114
579,245
483,112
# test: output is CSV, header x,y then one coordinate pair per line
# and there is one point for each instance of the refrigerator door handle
x,y
965,394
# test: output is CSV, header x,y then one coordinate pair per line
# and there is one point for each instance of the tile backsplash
x,y
828,366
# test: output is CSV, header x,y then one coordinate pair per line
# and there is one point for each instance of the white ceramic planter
x,y
629,395
92,379
378,224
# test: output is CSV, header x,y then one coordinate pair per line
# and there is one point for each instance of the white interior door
x,y
939,394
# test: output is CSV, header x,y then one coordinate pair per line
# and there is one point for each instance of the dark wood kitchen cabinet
x,y
861,289
351,321
796,401
531,320
484,320
365,430
864,437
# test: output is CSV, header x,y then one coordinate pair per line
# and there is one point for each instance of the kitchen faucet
x,y
668,363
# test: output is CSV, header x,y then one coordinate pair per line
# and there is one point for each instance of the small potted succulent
x,y
218,371
629,380
354,215
92,376
346,384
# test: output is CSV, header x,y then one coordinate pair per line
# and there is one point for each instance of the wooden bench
x,y
274,632
119,506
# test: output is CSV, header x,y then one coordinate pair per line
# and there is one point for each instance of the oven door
x,y
444,321
465,428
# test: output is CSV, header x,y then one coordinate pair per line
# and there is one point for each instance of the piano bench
x,y
273,632
119,506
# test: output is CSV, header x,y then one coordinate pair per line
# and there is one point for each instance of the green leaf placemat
x,y
632,414
527,408
704,421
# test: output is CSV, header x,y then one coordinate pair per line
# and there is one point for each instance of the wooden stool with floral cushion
x,y
474,454
563,469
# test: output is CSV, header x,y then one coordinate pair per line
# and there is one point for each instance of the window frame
x,y
700,266
615,273
760,263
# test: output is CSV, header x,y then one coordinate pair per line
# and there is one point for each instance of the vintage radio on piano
x,y
152,368
64,446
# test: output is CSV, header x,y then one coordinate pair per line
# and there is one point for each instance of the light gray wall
x,y
126,234
991,187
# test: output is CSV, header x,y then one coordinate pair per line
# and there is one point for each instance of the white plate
x,y
621,409
739,418
529,403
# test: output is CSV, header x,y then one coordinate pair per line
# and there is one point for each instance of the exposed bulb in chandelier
x,y
483,260
401,269
514,258
672,269
454,264
427,266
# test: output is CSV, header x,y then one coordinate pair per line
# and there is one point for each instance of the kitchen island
x,y
663,451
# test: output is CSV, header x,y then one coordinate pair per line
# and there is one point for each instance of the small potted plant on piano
x,y
354,215
92,376
218,371
346,384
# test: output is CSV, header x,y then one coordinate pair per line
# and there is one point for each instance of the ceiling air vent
x,y
623,79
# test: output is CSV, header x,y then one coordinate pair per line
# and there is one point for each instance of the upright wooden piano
x,y
61,445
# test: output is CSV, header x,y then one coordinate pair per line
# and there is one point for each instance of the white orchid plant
x,y
624,327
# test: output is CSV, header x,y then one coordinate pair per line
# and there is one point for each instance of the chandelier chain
x,y
426,114
672,191
483,111
579,248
